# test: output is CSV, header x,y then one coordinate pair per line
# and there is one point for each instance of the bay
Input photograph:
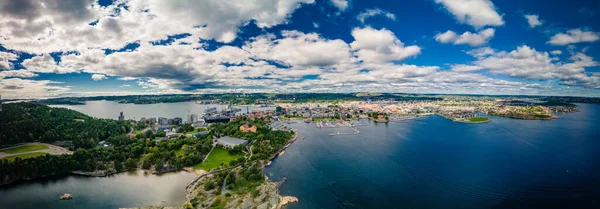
x,y
111,109
437,163
426,163
127,189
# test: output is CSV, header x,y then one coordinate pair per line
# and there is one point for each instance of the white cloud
x,y
126,85
465,68
477,13
98,77
13,88
300,49
374,12
5,57
45,64
50,26
556,52
315,24
533,20
472,39
528,63
17,73
342,5
574,36
373,45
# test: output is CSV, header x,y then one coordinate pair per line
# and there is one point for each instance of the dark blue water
x,y
436,163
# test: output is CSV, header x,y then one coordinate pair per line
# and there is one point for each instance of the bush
x,y
209,185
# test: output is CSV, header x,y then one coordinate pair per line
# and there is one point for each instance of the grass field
x,y
23,156
478,119
179,152
25,148
216,157
194,131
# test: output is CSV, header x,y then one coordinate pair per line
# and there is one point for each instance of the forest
x,y
28,122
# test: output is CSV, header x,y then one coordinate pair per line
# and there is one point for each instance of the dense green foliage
x,y
28,122
123,154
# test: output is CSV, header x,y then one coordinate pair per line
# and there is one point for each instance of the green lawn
x,y
216,157
25,148
194,131
478,119
23,156
179,152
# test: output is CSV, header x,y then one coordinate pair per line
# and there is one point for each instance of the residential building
x,y
247,128
163,121
177,121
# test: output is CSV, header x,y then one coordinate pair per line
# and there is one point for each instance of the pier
x,y
349,125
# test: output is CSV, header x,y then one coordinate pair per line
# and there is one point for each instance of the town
x,y
340,113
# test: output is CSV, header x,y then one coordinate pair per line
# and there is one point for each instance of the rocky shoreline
x,y
267,194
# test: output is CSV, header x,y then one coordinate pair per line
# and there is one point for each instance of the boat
x,y
210,110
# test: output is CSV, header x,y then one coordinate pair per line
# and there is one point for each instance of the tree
x,y
240,181
130,164
209,185
160,133
149,134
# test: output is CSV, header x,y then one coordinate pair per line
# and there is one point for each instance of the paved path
x,y
52,149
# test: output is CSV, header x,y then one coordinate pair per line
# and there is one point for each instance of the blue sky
x,y
88,47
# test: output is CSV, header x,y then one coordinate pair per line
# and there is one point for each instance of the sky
x,y
60,48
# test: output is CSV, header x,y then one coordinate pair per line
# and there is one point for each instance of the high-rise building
x,y
191,119
163,121
121,117
152,121
177,121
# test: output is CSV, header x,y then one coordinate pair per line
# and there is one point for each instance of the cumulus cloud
x,y
533,20
45,64
375,12
17,73
371,45
52,25
98,77
465,68
477,13
574,36
472,39
528,63
300,49
23,88
342,5
5,58
556,52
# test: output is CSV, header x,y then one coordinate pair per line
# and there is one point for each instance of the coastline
x,y
269,190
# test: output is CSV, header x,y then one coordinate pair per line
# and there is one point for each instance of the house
x,y
172,135
380,117
131,136
247,128
230,142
